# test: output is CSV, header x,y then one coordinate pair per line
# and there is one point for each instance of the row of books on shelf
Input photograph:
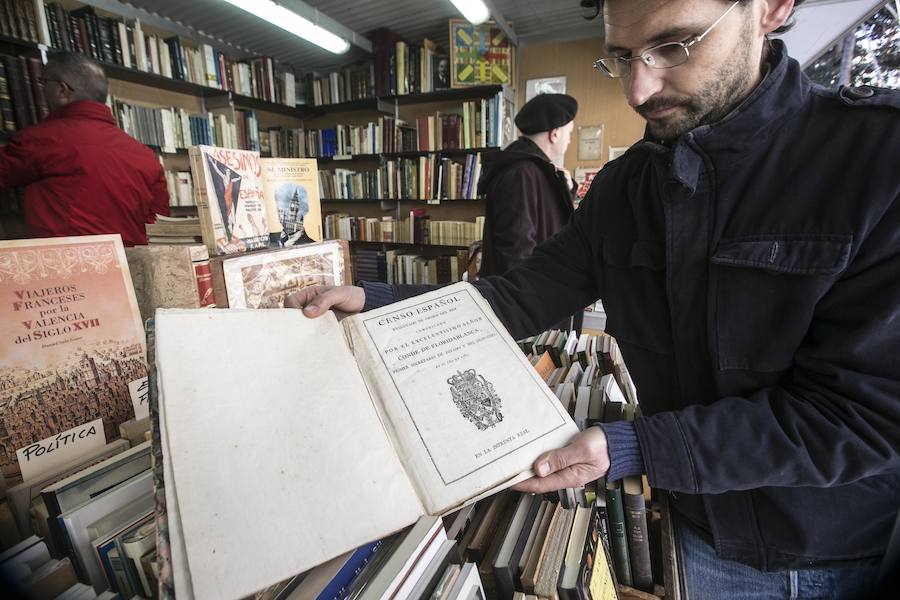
x,y
478,125
18,19
418,228
404,267
408,69
123,42
424,178
172,128
352,82
22,100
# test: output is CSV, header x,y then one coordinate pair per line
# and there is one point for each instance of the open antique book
x,y
287,441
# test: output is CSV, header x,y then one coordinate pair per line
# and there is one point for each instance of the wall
x,y
600,99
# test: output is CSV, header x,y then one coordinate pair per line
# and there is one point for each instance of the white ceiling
x,y
533,21
819,24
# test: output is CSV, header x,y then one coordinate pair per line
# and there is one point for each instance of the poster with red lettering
x,y
230,201
71,343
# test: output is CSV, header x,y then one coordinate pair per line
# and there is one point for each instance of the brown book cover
x,y
28,90
37,88
26,8
6,22
72,346
7,116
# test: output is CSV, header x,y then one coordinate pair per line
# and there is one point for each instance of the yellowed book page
x,y
274,447
465,408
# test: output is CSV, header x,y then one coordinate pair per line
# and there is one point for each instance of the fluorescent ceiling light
x,y
474,11
293,23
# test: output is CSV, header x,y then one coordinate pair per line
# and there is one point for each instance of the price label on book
x,y
50,454
434,201
140,395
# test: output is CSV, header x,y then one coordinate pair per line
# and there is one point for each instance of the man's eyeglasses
x,y
664,56
45,80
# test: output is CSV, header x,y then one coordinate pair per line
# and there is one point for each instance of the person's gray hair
x,y
83,74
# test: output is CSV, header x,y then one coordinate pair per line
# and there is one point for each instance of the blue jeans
x,y
708,577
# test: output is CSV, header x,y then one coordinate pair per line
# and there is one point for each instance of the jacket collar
x,y
781,93
83,109
526,146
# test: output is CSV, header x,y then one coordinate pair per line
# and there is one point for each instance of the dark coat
x,y
751,274
528,201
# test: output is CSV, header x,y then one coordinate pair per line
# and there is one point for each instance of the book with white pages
x,y
428,402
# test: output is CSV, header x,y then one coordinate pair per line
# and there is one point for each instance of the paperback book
x,y
230,200
72,347
291,188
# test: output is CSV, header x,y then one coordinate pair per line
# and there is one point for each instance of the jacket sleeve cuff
x,y
624,450
377,294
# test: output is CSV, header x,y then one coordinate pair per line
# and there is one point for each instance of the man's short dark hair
x,y
592,9
83,74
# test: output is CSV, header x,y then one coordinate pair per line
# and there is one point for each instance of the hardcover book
x,y
72,346
291,188
264,279
230,200
428,401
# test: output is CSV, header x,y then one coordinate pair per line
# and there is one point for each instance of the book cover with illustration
x,y
265,279
291,187
72,346
230,202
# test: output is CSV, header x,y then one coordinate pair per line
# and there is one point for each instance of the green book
x,y
618,533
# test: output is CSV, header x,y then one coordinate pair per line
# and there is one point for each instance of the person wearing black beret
x,y
528,192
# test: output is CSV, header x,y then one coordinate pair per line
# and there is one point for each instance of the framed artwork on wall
x,y
545,85
480,55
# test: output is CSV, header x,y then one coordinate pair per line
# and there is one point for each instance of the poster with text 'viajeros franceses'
x,y
72,347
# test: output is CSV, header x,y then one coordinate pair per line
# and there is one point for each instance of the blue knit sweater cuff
x,y
624,450
377,294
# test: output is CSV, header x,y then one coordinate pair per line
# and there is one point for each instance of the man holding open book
x,y
751,275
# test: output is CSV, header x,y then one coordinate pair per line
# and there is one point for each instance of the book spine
x,y
638,541
28,90
201,199
617,533
7,118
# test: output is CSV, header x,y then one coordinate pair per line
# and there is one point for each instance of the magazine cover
x,y
230,201
72,347
291,187
265,279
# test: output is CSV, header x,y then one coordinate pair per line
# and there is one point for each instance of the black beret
x,y
545,112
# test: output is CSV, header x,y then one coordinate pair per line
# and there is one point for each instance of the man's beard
x,y
723,90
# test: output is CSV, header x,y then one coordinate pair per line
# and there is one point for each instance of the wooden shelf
x,y
18,43
408,200
117,71
377,103
240,101
366,243
469,93
410,154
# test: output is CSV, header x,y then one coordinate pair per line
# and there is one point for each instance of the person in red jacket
x,y
82,174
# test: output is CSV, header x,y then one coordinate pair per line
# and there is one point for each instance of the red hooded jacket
x,y
84,175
